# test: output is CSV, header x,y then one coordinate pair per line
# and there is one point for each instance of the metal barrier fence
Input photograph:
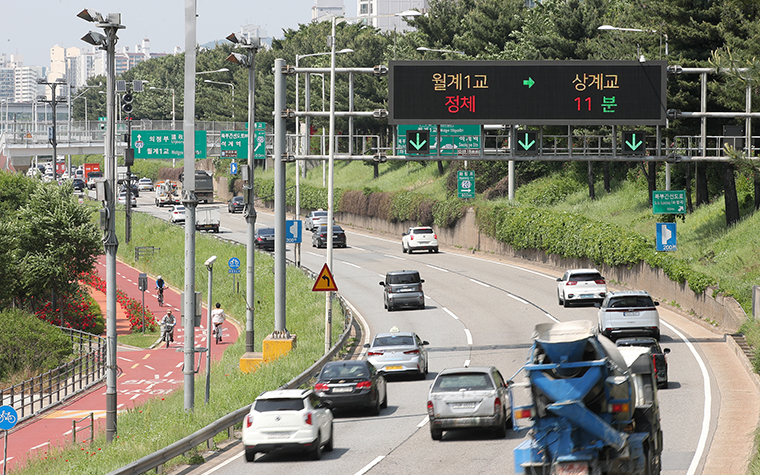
x,y
88,368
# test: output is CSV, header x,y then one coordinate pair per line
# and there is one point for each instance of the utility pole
x,y
53,101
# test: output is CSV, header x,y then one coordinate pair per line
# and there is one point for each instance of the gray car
x,y
403,288
468,398
398,353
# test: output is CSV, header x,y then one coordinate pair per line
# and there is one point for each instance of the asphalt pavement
x,y
142,373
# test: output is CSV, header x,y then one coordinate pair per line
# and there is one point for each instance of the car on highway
x,y
91,179
403,288
421,238
580,286
398,352
123,199
629,313
78,184
264,239
319,237
236,204
145,184
469,397
288,420
659,358
315,219
177,214
352,385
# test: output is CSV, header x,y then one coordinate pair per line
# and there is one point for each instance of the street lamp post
x,y
249,212
167,89
53,132
111,24
210,266
233,93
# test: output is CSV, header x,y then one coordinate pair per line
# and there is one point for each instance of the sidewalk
x,y
142,374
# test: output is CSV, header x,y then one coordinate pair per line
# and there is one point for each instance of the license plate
x,y
586,296
575,468
389,368
279,435
463,405
630,314
405,290
342,390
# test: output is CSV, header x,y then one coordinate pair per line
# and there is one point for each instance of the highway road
x,y
478,312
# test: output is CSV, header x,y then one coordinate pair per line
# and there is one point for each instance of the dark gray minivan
x,y
403,288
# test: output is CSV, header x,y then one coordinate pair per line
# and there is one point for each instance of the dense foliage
x,y
27,344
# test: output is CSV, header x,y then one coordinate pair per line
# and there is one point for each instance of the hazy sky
x,y
31,28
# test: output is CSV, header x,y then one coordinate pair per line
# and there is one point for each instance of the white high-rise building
x,y
381,13
326,9
25,83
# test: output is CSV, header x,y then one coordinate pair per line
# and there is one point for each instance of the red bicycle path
x,y
142,373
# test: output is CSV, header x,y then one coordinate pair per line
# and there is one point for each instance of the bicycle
x,y
160,296
217,332
168,333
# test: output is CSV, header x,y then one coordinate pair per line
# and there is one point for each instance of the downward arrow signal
x,y
418,144
526,145
633,145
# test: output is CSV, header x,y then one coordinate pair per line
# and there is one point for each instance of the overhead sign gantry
x,y
528,92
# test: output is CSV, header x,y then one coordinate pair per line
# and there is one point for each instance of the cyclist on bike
x,y
217,318
160,288
168,323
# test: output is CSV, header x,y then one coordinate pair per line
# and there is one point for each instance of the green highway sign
x,y
260,141
166,144
455,139
634,142
233,144
669,202
466,184
527,141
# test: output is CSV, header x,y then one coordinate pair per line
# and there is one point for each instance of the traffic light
x,y
634,142
418,142
527,141
126,103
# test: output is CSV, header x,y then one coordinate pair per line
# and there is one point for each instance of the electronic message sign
x,y
528,92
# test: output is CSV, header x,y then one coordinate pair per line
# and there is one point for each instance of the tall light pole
x,y
111,24
233,93
220,70
167,89
249,212
210,266
52,136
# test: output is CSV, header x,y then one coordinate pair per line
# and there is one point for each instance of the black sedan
x,y
235,205
78,184
352,385
319,237
264,239
659,360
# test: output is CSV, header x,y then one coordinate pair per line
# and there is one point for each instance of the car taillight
x,y
374,353
307,419
600,281
435,236
412,352
321,387
654,363
411,237
497,406
248,421
430,408
620,407
363,384
523,414
572,282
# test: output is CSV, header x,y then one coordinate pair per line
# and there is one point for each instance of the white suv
x,y
288,420
421,238
629,313
581,285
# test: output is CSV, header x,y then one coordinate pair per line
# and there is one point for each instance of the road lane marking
x,y
437,268
481,283
518,299
314,254
351,264
358,248
147,355
125,359
466,363
551,317
179,365
394,257
369,466
469,336
423,423
135,365
150,368
450,313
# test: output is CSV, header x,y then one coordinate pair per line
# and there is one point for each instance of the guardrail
x,y
35,395
156,460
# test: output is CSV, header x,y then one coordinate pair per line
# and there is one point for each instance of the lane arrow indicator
x,y
634,145
418,145
529,82
526,145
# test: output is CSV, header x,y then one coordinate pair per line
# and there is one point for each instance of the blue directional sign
x,y
234,263
666,237
293,230
233,168
8,417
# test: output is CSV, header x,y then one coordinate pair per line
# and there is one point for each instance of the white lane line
x,y
358,248
481,283
226,462
450,313
518,299
437,268
551,317
369,466
167,374
40,446
708,402
351,264
150,368
125,359
469,336
508,265
423,423
314,254
394,257
382,275
179,365
466,363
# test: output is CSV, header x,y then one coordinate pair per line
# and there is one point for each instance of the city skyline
x,y
54,23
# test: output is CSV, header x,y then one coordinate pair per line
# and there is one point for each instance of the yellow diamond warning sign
x,y
325,281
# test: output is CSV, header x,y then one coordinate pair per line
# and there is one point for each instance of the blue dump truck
x,y
590,407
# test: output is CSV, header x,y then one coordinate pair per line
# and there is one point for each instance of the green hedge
x,y
29,344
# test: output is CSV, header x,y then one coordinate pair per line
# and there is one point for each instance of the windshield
x,y
631,301
268,405
586,277
408,278
457,381
393,341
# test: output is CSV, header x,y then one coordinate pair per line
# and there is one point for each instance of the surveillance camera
x,y
210,260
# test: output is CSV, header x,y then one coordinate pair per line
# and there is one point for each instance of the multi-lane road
x,y
481,311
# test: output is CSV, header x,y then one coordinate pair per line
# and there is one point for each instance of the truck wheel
x,y
250,455
436,434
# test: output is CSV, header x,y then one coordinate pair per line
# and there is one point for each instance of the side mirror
x,y
403,234
559,279
422,281
382,284
666,350
366,345
656,303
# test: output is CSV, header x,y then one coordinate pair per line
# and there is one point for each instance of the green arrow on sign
x,y
634,145
418,145
529,82
525,145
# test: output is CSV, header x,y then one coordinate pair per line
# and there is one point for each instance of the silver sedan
x,y
398,353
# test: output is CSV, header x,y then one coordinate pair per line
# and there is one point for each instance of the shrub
x,y
30,344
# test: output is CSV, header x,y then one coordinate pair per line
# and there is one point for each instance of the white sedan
x,y
177,214
145,184
581,285
421,238
288,420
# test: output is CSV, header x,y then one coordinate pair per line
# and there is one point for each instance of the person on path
x,y
217,318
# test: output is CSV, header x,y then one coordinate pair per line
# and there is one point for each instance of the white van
x,y
629,313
